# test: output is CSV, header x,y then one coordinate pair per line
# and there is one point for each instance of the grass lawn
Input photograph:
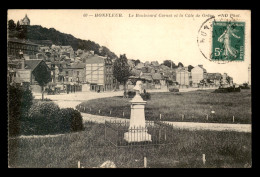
x,y
222,149
193,105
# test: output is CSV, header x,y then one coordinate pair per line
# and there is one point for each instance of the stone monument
x,y
137,131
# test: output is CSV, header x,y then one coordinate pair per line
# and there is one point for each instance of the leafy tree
x,y
190,67
180,64
137,61
11,25
121,70
37,32
19,102
18,26
42,76
169,63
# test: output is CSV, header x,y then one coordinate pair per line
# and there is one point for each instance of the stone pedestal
x,y
137,131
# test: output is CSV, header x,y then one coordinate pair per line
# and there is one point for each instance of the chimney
x,y
200,65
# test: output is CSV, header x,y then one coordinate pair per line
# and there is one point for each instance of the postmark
x,y
222,40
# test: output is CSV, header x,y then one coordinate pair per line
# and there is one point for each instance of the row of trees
x,y
14,26
171,64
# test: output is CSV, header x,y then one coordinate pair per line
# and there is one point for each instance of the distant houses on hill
x,y
89,71
83,70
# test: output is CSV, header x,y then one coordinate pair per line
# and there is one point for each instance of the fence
x,y
161,133
188,117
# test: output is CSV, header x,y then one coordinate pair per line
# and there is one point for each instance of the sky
x,y
157,37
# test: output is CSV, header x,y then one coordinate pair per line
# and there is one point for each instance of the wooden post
x,y
145,162
110,112
78,164
99,111
182,116
204,159
123,114
233,118
89,109
84,108
207,117
160,116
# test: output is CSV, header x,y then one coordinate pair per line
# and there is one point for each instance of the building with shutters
x,y
198,73
183,76
16,46
99,73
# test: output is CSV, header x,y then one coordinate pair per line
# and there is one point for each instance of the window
x,y
77,73
67,73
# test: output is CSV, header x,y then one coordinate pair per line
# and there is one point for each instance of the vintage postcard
x,y
129,88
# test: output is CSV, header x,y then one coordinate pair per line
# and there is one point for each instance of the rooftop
x,y
95,59
157,76
32,63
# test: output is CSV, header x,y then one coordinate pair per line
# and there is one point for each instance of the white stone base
x,y
137,136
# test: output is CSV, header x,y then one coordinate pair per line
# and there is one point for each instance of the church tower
x,y
25,21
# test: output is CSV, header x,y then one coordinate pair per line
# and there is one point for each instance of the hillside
x,y
37,32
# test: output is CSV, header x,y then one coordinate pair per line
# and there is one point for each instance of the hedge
x,y
47,118
71,120
173,89
19,102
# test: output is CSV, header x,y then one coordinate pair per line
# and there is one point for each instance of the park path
x,y
179,125
73,99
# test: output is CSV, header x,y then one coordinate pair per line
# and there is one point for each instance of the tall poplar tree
x,y
121,71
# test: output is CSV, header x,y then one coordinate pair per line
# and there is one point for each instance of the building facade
x,y
198,73
16,46
99,73
22,71
183,76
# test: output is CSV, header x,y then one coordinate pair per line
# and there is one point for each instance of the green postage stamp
x,y
228,41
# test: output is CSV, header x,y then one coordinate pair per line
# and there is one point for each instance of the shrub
x,y
173,90
146,96
43,118
228,89
130,94
47,118
70,120
19,102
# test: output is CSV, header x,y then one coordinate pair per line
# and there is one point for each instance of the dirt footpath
x,y
180,125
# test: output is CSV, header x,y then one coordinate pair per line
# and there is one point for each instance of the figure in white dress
x,y
226,39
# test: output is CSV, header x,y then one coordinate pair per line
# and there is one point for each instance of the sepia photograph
x,y
139,88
